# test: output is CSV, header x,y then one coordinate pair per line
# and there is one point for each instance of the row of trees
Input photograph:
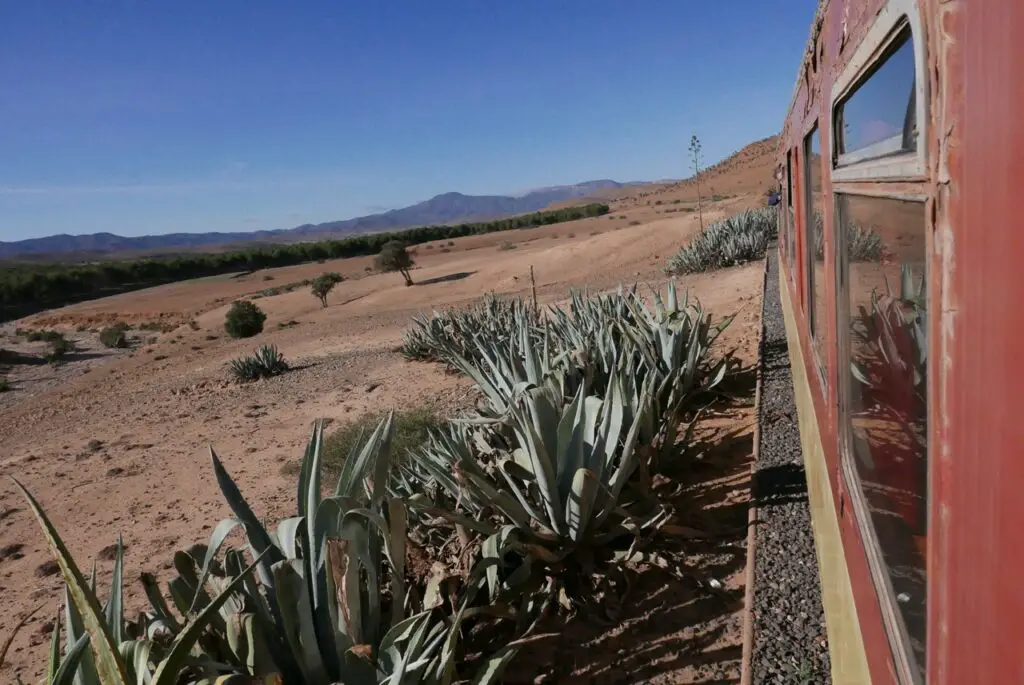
x,y
27,288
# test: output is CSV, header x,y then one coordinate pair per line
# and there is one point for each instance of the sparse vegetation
x,y
538,501
48,336
507,245
5,385
265,362
323,284
394,257
244,320
26,288
411,430
114,336
60,347
736,240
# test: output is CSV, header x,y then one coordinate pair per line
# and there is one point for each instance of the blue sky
x,y
140,117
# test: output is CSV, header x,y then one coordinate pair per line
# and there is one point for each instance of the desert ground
x,y
117,441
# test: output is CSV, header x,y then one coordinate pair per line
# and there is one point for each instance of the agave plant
x,y
735,240
892,360
335,606
120,653
862,244
324,602
558,495
439,336
265,362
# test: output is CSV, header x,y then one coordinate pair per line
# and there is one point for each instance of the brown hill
x,y
746,172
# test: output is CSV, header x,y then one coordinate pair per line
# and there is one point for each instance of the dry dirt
x,y
117,441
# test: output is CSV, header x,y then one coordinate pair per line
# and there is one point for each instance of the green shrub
x,y
736,240
60,347
114,336
322,285
265,362
411,429
5,385
48,336
395,257
244,320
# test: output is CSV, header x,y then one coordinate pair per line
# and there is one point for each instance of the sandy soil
x,y
118,441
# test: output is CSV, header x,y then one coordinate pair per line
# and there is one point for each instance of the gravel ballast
x,y
789,640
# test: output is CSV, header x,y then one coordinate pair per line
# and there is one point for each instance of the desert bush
x,y
114,336
244,320
322,285
394,257
265,362
410,429
507,245
48,336
60,347
736,240
5,385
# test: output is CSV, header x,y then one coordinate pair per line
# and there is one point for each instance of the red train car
x,y
901,253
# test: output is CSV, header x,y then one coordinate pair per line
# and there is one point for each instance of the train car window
x,y
881,277
790,215
818,298
878,118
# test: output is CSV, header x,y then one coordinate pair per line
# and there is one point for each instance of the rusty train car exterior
x,y
901,252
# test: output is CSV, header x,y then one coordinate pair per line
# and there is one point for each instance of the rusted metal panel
x,y
979,601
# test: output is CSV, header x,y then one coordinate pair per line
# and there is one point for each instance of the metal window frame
x,y
895,627
812,315
881,160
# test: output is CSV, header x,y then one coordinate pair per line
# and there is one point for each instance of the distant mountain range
x,y
442,209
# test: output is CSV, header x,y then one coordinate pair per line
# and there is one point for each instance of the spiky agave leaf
x,y
735,240
265,362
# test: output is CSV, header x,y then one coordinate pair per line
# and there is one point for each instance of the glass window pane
x,y
816,286
887,411
879,117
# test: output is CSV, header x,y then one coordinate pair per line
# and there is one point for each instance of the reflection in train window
x,y
818,305
790,215
885,405
879,117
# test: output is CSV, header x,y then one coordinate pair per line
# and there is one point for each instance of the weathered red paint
x,y
975,244
979,600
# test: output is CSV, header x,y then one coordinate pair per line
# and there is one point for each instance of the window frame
x,y
809,250
790,216
853,174
895,628
865,164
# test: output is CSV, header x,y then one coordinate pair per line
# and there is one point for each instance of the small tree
x,y
323,284
393,257
695,154
244,320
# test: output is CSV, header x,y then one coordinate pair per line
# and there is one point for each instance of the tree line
x,y
29,288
